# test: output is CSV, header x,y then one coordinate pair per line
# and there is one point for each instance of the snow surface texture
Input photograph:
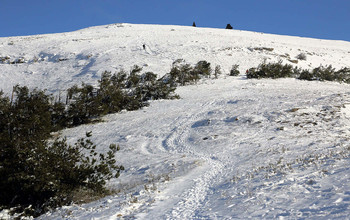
x,y
230,148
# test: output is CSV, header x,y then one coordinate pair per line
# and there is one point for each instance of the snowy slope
x,y
229,148
58,61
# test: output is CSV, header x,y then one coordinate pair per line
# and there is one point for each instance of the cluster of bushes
x,y
271,70
326,73
38,174
6,60
114,93
183,73
278,70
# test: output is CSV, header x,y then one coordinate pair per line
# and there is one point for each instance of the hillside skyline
x,y
314,19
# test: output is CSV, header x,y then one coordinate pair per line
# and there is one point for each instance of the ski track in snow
x,y
178,142
230,148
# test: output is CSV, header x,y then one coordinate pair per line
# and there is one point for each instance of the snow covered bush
x,y
301,56
115,93
151,89
183,73
234,70
343,75
278,70
271,70
82,105
326,73
203,68
37,174
305,75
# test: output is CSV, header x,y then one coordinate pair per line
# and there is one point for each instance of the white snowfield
x,y
230,148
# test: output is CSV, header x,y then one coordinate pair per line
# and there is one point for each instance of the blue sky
x,y
325,19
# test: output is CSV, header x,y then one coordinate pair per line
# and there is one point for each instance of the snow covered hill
x,y
58,61
229,148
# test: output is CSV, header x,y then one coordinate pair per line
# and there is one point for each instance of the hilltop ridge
x,y
58,61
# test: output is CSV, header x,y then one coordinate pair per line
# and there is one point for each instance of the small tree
x,y
83,105
36,174
110,95
203,68
234,70
343,75
134,77
194,24
228,26
217,71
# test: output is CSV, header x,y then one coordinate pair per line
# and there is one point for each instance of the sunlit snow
x,y
230,148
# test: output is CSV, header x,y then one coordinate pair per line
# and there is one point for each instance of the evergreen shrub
x,y
278,70
301,56
234,70
37,174
183,73
271,70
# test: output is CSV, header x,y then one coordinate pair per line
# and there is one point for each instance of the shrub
x,y
28,116
277,70
134,77
119,91
152,89
18,61
301,56
58,116
183,73
4,59
306,75
234,70
203,68
271,70
83,105
228,26
326,73
343,75
217,71
111,96
37,175
264,49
